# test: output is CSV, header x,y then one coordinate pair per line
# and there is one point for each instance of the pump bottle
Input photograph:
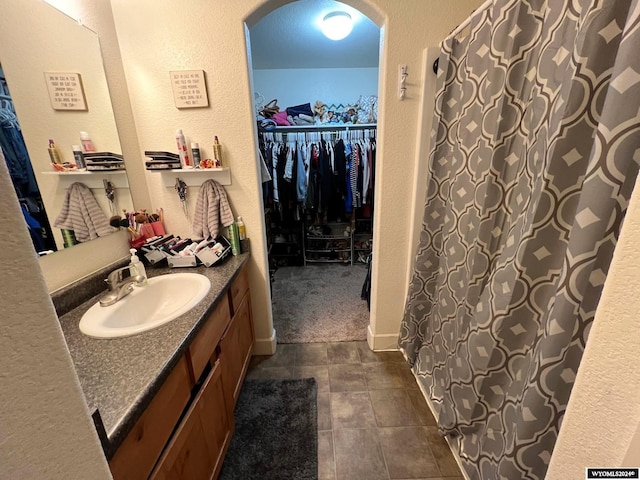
x,y
136,267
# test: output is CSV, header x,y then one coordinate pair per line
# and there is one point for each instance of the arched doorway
x,y
325,95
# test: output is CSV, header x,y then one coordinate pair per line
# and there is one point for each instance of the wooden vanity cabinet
x,y
197,448
235,349
139,451
192,443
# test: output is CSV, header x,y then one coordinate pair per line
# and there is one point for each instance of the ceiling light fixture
x,y
337,25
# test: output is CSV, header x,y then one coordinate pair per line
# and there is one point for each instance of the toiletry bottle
x,y
182,150
233,239
242,232
195,151
87,143
53,153
217,153
137,268
78,157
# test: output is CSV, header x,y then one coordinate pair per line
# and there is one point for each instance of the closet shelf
x,y
324,127
327,260
330,250
327,237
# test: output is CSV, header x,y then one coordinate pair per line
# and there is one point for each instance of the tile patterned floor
x,y
373,422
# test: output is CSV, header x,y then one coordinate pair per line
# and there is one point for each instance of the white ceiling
x,y
290,37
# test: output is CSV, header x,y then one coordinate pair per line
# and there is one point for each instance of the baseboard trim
x,y
382,343
265,346
453,448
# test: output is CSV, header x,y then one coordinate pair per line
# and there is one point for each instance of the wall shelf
x,y
93,179
194,177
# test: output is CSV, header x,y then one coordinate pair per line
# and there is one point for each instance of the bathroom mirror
x,y
36,38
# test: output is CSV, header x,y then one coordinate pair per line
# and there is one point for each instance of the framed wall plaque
x,y
189,88
65,91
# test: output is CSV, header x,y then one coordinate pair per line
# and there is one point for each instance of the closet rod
x,y
466,23
323,128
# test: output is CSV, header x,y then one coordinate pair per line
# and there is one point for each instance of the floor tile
x,y
393,408
343,352
319,372
442,453
351,410
324,411
311,354
358,455
346,378
271,373
406,452
422,409
388,375
326,462
366,354
284,357
369,356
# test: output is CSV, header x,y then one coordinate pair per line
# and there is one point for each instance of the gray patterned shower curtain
x,y
535,151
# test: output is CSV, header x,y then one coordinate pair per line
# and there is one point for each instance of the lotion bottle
x,y
137,267
242,231
195,151
87,143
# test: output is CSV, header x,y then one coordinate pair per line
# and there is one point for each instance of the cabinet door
x,y
195,450
142,447
235,351
217,422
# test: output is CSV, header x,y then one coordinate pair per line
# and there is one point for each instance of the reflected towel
x,y
82,214
212,208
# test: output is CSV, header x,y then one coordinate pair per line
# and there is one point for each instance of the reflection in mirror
x,y
14,152
55,42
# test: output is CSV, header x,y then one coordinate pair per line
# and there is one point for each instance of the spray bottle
x,y
182,150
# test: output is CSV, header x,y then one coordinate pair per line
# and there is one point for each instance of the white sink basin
x,y
163,299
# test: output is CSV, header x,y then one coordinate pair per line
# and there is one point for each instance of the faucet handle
x,y
114,278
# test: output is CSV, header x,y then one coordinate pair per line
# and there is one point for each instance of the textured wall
x,y
45,427
214,39
603,414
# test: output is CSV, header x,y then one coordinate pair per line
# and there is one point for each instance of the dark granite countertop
x,y
120,376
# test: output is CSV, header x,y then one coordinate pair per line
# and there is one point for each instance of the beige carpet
x,y
319,303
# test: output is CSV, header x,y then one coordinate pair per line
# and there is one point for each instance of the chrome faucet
x,y
119,288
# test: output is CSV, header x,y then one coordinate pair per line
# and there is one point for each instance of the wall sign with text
x,y
189,88
65,91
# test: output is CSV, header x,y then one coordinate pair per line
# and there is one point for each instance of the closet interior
x,y
320,200
316,113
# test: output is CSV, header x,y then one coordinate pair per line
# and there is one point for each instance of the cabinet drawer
x,y
238,289
142,447
203,346
235,351
199,444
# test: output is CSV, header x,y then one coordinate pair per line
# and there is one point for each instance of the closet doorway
x,y
316,105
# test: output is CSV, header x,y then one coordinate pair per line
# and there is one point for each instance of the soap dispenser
x,y
137,268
